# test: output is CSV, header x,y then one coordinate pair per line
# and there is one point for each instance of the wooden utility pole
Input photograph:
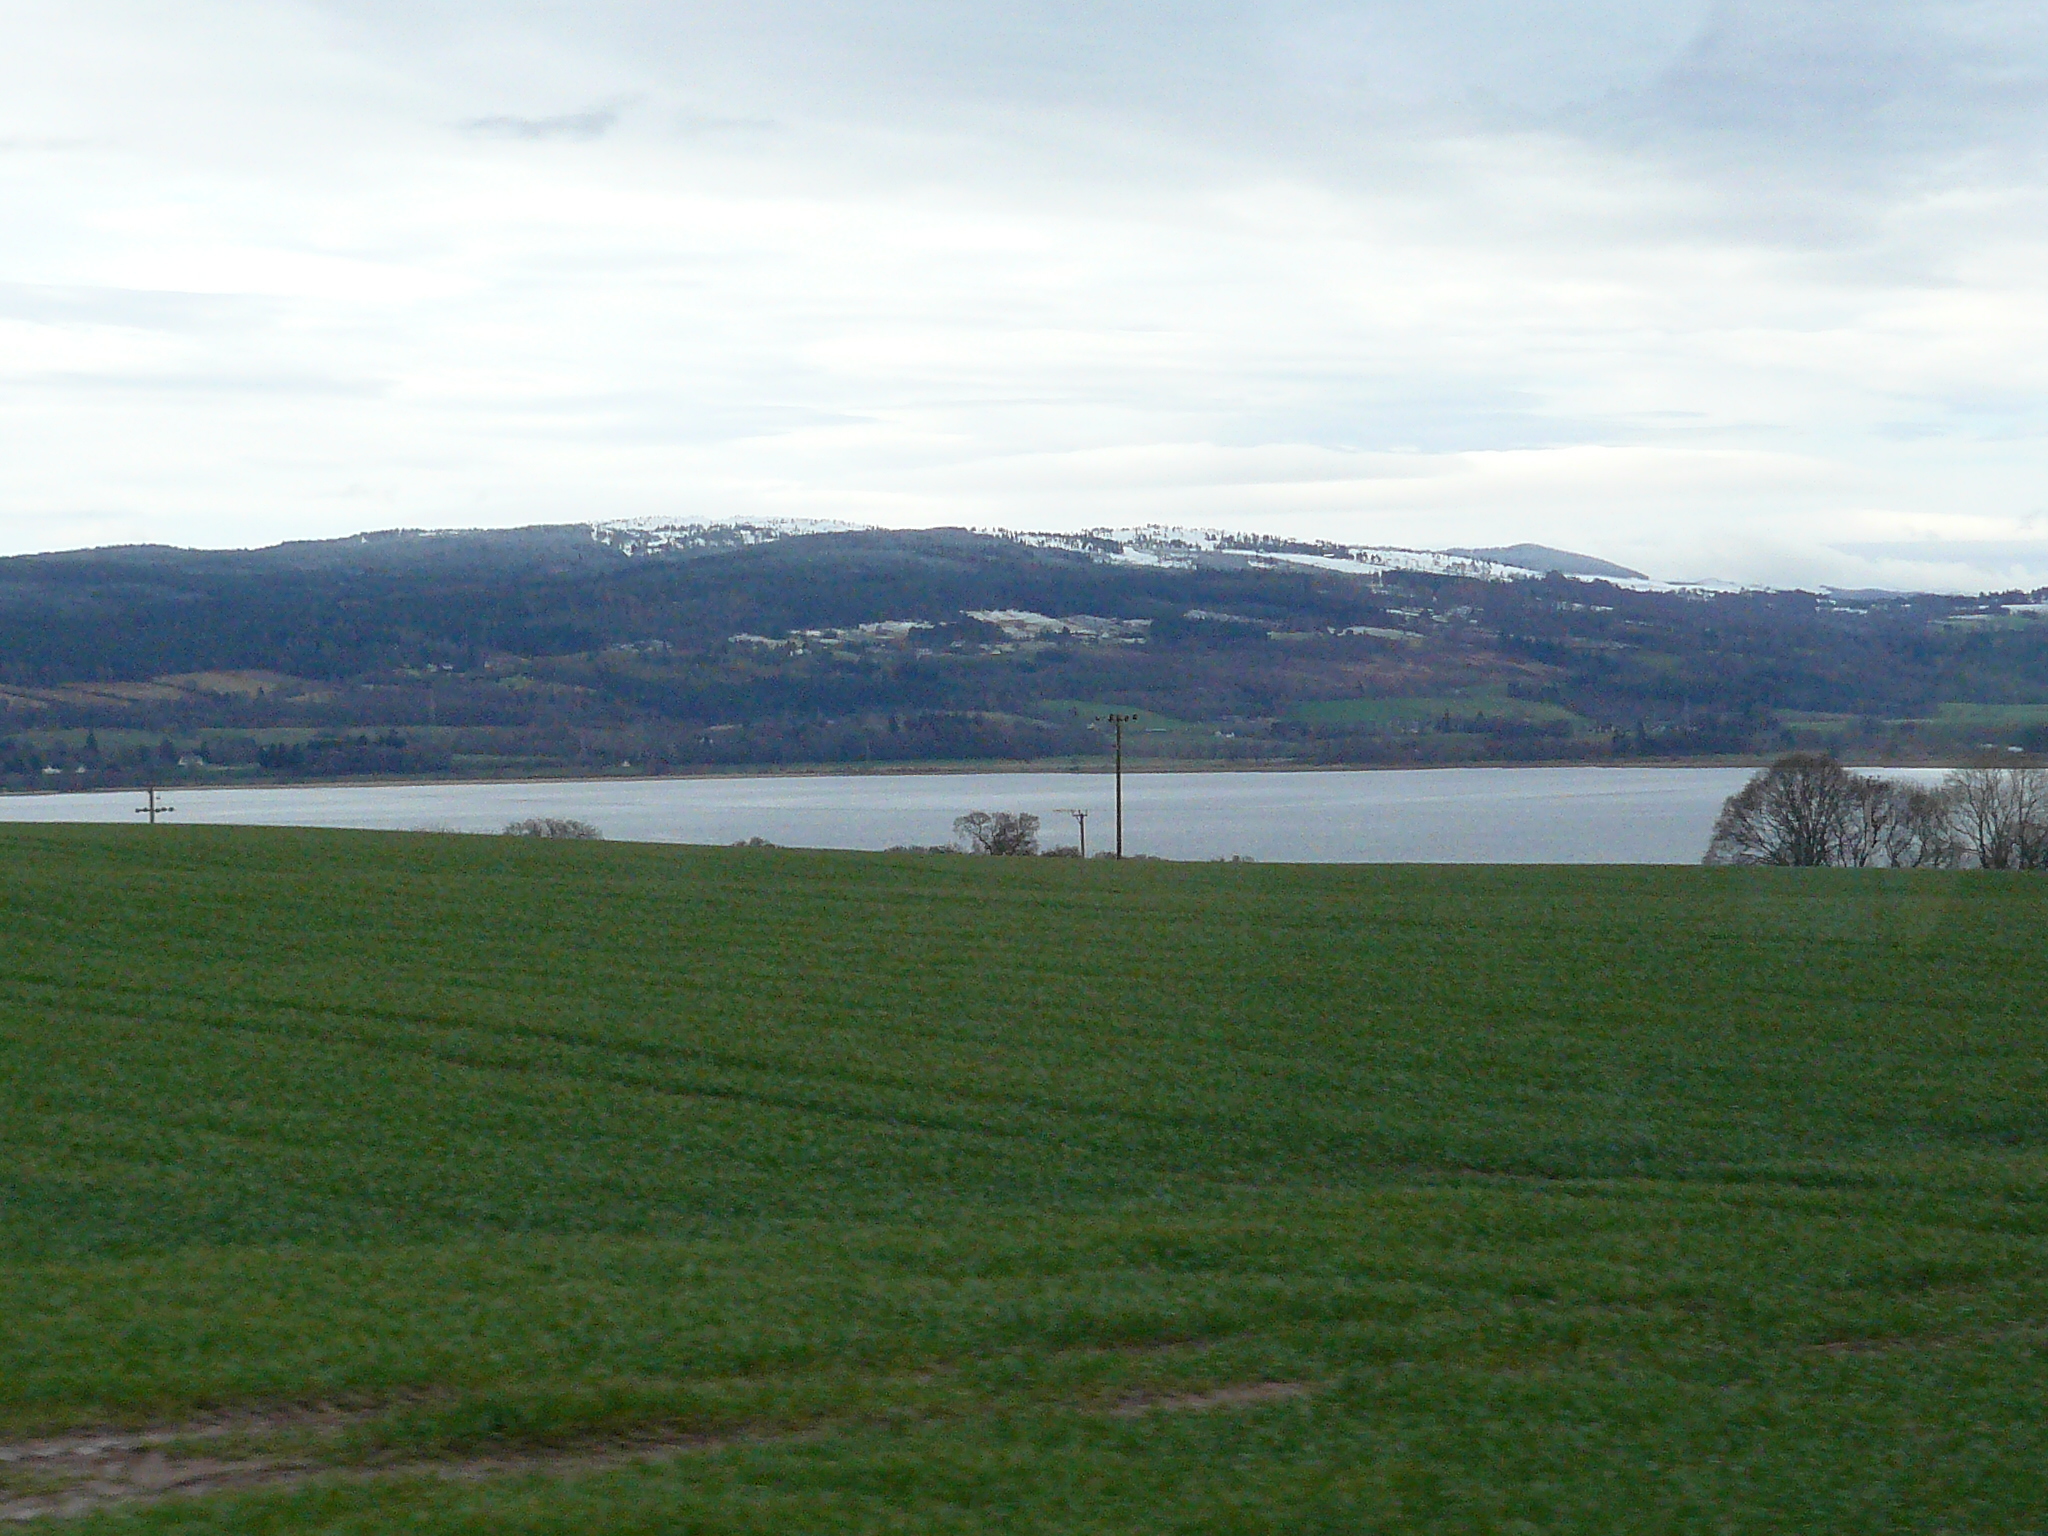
x,y
1081,819
153,810
1119,721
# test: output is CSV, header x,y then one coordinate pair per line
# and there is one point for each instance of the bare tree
x,y
1869,820
2001,816
1924,836
1807,809
1900,826
552,826
1011,833
1794,812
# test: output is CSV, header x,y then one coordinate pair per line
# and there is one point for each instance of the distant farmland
x,y
654,1189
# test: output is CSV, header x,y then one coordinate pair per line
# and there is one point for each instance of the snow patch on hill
x,y
1158,545
665,535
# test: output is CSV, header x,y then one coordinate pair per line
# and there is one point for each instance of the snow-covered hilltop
x,y
662,535
1154,544
1157,544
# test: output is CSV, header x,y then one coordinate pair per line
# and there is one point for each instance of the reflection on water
x,y
1435,815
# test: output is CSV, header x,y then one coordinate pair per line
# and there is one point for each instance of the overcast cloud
x,y
1736,289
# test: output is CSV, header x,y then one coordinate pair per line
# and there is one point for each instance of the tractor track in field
x,y
72,1475
78,1474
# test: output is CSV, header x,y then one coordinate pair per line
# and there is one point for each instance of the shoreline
x,y
956,769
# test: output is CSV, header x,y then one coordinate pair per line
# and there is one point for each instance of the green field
x,y
1490,702
1071,710
910,1194
1990,716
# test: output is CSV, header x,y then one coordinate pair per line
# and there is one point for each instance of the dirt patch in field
x,y
77,1474
72,1474
1887,1344
1220,1397
1873,1346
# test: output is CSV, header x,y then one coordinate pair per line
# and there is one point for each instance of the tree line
x,y
1808,810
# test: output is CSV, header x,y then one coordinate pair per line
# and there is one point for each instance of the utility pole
x,y
153,810
1081,818
1119,721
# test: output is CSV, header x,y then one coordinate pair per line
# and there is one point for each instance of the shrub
x,y
552,826
1002,833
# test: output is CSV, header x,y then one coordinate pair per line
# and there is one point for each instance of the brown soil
x,y
1221,1397
77,1474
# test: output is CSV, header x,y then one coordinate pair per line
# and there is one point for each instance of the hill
x,y
602,648
740,1191
1541,557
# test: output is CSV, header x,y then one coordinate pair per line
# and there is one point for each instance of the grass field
x,y
944,1195
1992,716
1139,720
1494,703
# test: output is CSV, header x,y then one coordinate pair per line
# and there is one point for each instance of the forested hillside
x,y
546,649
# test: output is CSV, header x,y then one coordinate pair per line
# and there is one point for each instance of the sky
x,y
1714,288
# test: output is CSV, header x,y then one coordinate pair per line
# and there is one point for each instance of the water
x,y
1434,815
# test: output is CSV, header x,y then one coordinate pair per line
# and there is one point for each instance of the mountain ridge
x,y
671,642
1164,545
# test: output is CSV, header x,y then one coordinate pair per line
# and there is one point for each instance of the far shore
x,y
229,780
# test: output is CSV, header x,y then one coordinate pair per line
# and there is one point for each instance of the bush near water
x,y
568,827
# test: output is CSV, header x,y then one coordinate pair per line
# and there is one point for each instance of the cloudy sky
x,y
1754,289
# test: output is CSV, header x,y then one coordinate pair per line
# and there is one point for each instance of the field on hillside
x,y
1464,708
455,1184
